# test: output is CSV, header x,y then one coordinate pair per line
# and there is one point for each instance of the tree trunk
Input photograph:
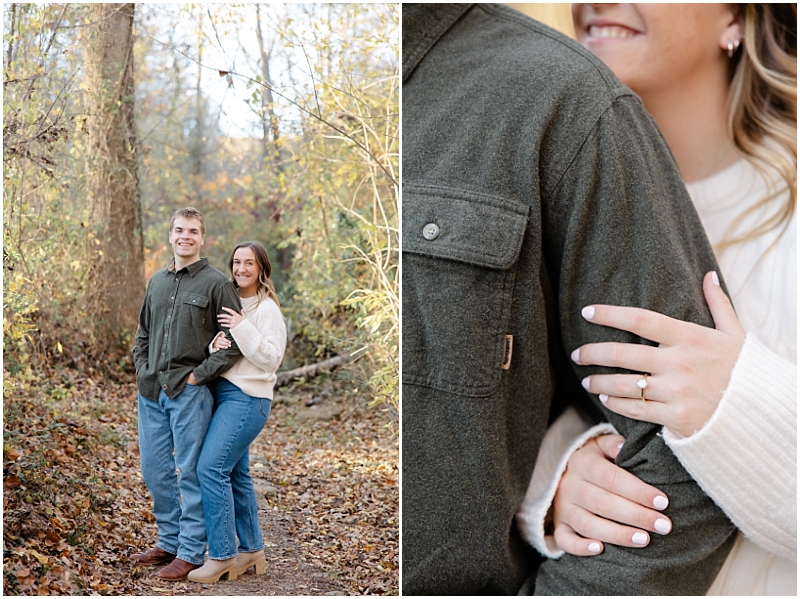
x,y
115,282
269,120
12,33
196,142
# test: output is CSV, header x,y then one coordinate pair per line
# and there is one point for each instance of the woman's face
x,y
650,46
246,271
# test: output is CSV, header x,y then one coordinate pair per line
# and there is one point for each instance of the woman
x,y
721,82
242,403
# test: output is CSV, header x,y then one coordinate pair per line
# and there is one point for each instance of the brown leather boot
x,y
153,557
177,570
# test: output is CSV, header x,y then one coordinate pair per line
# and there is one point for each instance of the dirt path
x,y
286,573
75,506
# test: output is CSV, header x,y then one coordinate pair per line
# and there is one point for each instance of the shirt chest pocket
x,y
460,250
194,310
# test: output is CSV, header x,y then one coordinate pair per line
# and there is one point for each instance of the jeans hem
x,y
251,550
172,550
219,559
191,560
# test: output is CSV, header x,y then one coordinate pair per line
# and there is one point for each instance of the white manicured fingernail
x,y
621,444
660,502
576,355
639,538
604,399
585,383
715,277
663,526
594,547
588,312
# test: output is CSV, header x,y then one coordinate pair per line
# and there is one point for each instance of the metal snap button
x,y
430,231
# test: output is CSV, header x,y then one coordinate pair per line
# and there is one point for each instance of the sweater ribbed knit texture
x,y
745,457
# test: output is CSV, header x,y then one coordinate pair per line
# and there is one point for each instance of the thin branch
x,y
313,82
214,28
41,126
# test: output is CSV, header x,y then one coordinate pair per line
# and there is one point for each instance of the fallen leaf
x,y
43,559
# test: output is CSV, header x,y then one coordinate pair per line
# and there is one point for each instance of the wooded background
x,y
278,122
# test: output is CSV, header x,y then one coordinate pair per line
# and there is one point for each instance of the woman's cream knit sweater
x,y
261,338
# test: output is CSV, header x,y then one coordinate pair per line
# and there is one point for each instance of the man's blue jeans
x,y
229,499
171,433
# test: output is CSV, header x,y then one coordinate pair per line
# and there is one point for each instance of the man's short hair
x,y
187,213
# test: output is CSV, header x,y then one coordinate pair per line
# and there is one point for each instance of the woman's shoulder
x,y
267,310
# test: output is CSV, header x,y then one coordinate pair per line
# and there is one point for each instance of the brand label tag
x,y
508,346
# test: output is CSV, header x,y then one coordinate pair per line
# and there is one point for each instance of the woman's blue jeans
x,y
229,499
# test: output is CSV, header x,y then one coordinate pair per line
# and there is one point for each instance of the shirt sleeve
x,y
224,295
141,348
745,457
564,437
620,229
262,339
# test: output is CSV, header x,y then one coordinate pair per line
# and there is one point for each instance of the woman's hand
x,y
687,373
594,494
231,319
220,342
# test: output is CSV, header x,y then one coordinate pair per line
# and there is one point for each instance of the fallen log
x,y
311,370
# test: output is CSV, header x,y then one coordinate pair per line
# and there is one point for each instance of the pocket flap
x,y
195,300
462,225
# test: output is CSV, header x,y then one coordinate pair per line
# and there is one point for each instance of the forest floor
x,y
75,506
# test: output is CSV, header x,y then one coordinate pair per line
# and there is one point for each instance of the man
x,y
534,184
177,322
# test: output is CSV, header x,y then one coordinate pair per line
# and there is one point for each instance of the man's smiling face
x,y
186,238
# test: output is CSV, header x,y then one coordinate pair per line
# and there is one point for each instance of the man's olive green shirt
x,y
534,184
177,321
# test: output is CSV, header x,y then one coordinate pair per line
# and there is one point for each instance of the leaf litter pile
x,y
75,506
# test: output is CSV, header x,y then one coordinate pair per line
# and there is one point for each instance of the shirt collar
x,y
193,268
423,25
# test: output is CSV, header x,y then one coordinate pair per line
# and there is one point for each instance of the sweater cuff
x,y
211,349
745,456
565,436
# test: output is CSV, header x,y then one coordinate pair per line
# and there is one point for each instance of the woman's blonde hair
x,y
265,287
762,116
